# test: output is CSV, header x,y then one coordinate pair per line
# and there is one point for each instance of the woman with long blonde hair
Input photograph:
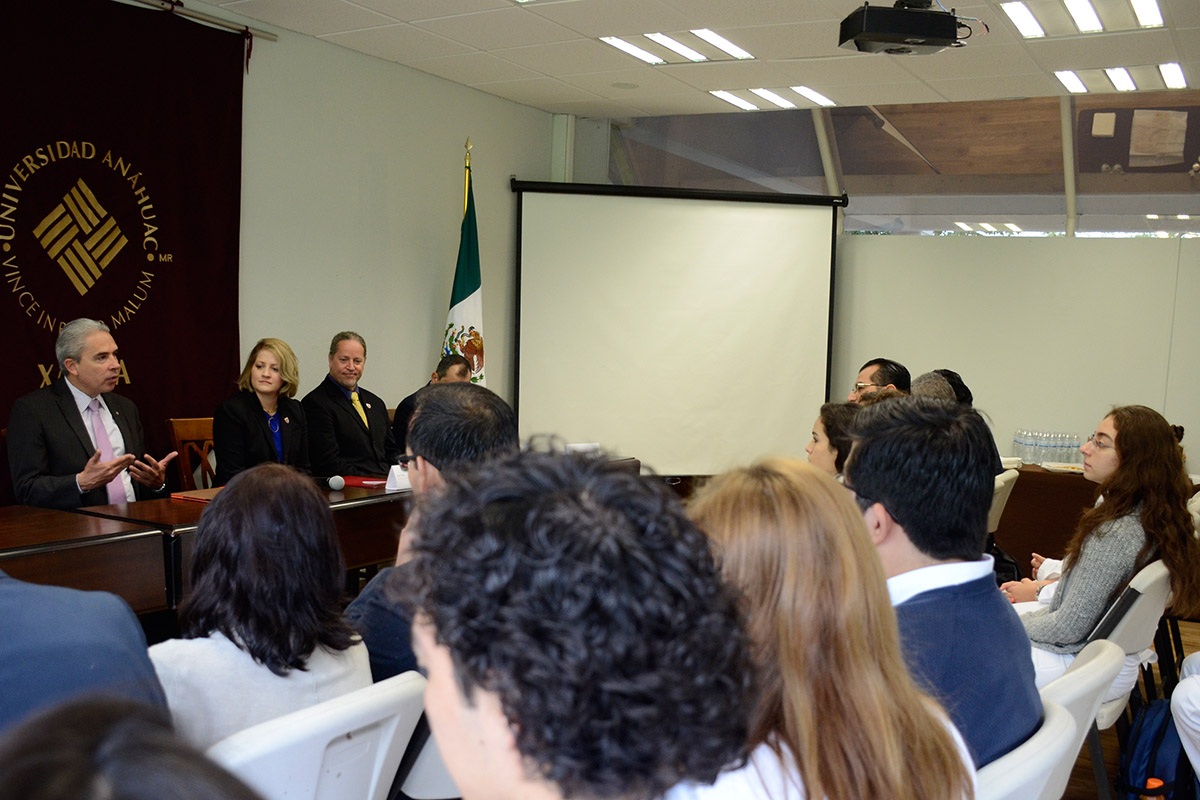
x,y
838,715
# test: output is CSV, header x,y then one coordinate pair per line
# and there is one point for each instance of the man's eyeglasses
x,y
404,461
858,387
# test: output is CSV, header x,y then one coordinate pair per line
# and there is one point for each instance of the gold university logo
x,y
81,236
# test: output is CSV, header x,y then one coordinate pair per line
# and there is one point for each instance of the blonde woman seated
x,y
263,630
263,422
838,715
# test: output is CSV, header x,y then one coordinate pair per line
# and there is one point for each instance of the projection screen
x,y
689,330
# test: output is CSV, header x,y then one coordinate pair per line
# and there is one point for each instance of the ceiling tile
x,y
400,43
506,27
1013,86
538,92
726,75
860,69
699,103
723,14
795,40
1180,13
972,62
410,10
615,17
622,86
1104,50
888,94
567,58
313,17
472,68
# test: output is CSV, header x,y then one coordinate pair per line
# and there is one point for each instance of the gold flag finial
x,y
468,146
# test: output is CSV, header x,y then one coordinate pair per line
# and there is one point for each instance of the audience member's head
x,y
961,392
830,444
931,384
267,571
108,749
595,654
456,424
833,687
925,468
451,369
880,396
879,373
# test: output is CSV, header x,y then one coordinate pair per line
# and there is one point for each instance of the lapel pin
x,y
287,421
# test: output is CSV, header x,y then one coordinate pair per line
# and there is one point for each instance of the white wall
x,y
352,186
1048,333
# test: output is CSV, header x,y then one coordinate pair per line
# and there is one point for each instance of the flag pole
x,y
467,174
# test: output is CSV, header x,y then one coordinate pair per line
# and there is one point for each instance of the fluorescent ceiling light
x,y
1084,16
771,97
963,225
1120,79
1163,235
987,227
1070,80
1023,18
1183,216
1152,216
633,50
1172,75
816,97
721,43
733,99
1012,227
1147,13
676,47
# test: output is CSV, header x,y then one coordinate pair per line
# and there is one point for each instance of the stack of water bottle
x,y
1039,447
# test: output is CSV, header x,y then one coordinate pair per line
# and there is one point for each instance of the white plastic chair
x,y
1004,486
347,747
1024,772
1130,624
1079,691
428,779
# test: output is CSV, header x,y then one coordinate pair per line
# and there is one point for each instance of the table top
x,y
173,515
25,526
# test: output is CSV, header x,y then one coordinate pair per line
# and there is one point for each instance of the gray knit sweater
x,y
1105,563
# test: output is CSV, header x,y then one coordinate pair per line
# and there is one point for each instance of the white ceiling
x,y
546,54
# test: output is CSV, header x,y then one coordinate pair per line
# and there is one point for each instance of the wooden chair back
x,y
192,437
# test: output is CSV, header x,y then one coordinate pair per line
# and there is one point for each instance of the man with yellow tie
x,y
348,428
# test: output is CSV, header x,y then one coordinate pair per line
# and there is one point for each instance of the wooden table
x,y
368,523
44,546
1042,512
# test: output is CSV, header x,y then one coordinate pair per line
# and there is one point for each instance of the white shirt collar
x,y
81,399
906,585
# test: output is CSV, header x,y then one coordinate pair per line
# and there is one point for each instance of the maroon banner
x,y
120,179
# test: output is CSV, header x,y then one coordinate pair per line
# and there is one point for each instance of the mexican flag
x,y
464,322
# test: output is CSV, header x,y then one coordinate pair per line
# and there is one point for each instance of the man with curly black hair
x,y
596,653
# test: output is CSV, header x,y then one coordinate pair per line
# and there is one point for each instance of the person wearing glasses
x,y
1140,516
922,471
880,373
454,425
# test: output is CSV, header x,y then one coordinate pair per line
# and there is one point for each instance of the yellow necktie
x,y
358,407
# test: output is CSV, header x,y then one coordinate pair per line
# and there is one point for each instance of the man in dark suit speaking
x,y
348,428
74,443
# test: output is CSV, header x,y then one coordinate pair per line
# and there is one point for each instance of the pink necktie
x,y
116,487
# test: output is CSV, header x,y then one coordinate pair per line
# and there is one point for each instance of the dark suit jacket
x,y
48,445
242,439
404,415
338,442
57,644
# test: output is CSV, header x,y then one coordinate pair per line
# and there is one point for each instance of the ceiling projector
x,y
910,27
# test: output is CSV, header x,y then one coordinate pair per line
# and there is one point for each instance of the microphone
x,y
335,482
